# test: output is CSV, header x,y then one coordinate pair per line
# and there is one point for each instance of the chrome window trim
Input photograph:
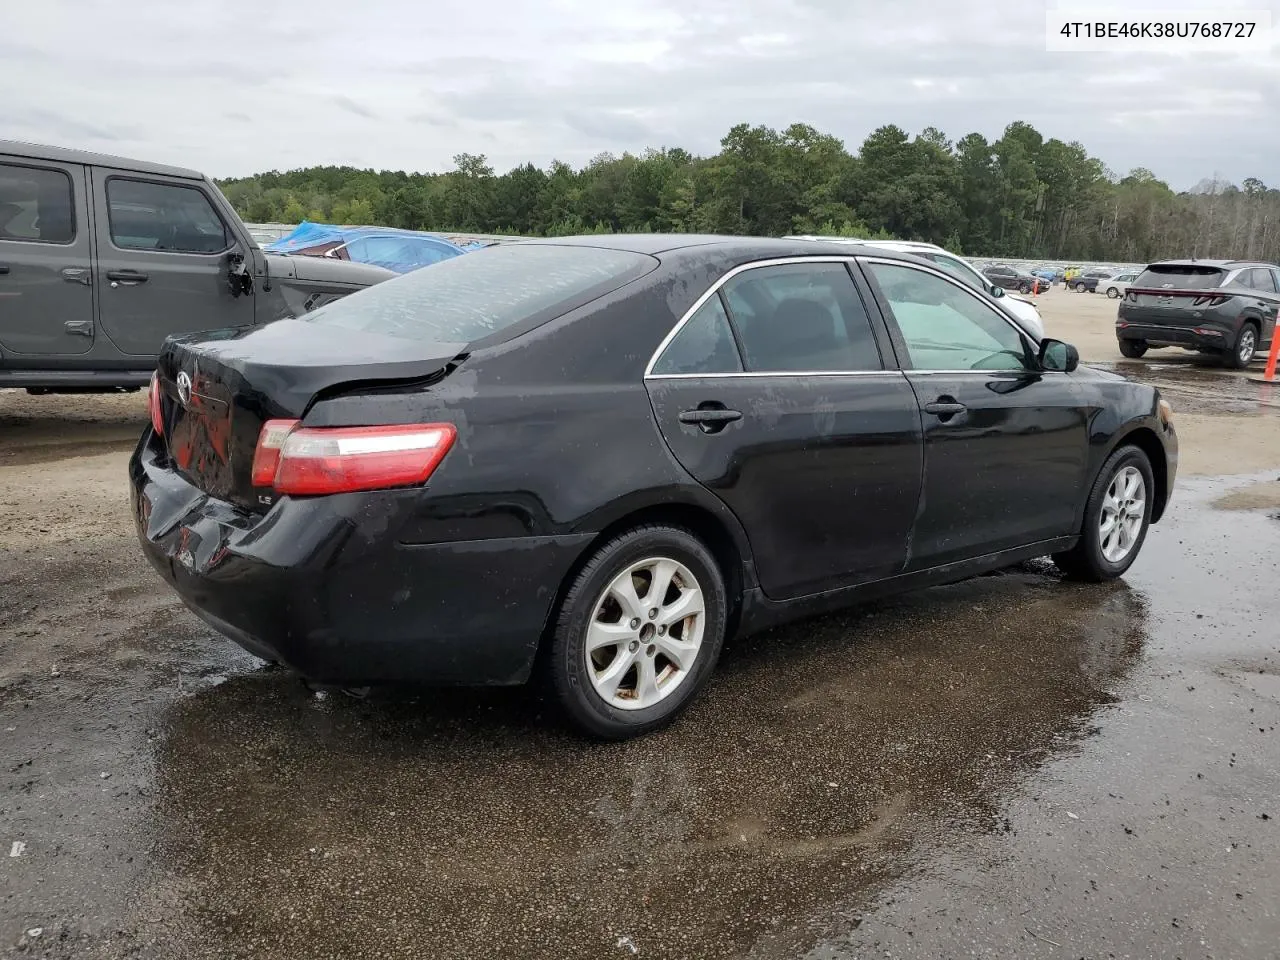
x,y
758,374
987,372
715,289
826,258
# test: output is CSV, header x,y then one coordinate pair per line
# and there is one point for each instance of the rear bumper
x,y
1206,335
323,586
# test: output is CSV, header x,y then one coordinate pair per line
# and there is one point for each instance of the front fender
x,y
1121,412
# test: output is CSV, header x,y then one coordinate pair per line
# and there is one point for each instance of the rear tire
x,y
1080,288
615,663
1245,347
1113,293
1113,533
1133,349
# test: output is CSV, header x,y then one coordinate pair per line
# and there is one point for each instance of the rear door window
x,y
1262,279
36,205
163,217
468,298
801,317
703,345
1180,276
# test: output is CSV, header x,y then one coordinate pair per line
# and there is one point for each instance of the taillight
x,y
266,458
1210,299
153,405
309,461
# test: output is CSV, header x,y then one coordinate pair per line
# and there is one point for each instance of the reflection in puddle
x,y
465,824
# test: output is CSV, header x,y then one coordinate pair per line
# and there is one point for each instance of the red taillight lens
x,y
266,458
153,405
310,461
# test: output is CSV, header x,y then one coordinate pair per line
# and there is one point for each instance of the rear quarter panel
x,y
556,434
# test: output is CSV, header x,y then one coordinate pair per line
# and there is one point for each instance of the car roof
x,y
861,242
1220,264
36,151
747,247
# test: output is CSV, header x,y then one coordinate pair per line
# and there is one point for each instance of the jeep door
x,y
163,256
46,270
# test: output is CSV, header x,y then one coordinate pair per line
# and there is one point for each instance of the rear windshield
x,y
472,296
1180,276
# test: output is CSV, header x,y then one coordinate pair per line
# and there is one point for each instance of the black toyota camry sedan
x,y
596,458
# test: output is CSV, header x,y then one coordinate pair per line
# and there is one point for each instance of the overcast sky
x,y
234,88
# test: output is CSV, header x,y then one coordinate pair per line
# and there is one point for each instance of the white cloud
x,y
233,89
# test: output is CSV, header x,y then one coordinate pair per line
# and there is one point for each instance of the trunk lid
x,y
219,388
1175,293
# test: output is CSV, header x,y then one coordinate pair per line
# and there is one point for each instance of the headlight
x,y
1166,413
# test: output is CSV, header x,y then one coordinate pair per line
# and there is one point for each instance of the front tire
x,y
1246,345
1117,516
1112,293
1081,288
639,632
1133,349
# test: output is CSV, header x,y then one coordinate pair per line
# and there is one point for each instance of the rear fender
x,y
675,499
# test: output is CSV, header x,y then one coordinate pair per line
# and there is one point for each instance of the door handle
x,y
77,275
4,268
126,276
79,328
944,408
710,418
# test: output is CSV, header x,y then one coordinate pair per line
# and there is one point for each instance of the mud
x,y
1014,766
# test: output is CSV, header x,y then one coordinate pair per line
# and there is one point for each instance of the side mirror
x,y
997,292
1058,357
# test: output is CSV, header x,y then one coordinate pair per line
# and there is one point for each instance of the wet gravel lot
x,y
1011,767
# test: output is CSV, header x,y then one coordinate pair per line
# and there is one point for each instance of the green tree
x,y
1019,196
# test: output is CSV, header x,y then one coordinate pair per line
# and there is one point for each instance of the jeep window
x,y
36,205
163,217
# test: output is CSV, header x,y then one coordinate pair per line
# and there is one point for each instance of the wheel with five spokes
x,y
639,632
1246,345
1116,518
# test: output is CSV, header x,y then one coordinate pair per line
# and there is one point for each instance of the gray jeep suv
x,y
102,258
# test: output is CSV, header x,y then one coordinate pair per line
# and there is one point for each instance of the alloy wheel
x,y
645,633
1124,511
1247,345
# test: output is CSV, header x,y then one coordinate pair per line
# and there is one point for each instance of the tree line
x,y
1019,196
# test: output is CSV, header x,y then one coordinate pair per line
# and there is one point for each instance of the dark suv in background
x,y
1011,278
1223,307
1088,281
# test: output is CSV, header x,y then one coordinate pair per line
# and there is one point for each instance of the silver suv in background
x,y
1024,311
103,258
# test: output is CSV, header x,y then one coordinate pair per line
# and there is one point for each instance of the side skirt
x,y
760,613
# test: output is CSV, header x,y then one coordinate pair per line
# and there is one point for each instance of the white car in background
x,y
1024,311
1118,285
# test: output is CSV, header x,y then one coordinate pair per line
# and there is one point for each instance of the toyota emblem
x,y
184,388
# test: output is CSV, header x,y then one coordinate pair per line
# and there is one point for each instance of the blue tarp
x,y
398,250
